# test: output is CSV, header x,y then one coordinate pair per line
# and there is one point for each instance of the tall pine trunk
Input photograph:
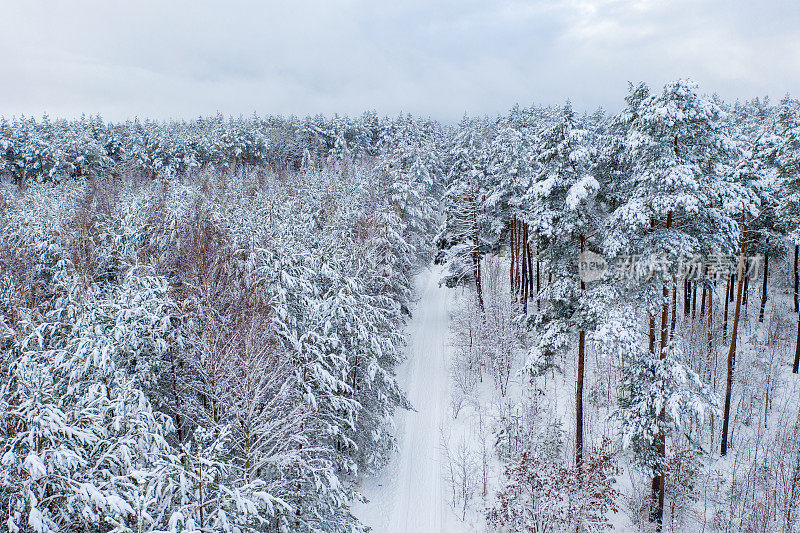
x,y
476,255
703,298
710,324
796,365
796,278
687,297
661,446
725,318
674,305
651,347
764,288
525,263
512,255
530,262
652,336
538,276
579,386
732,349
746,291
476,263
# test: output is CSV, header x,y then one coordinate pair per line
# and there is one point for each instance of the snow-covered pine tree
x,y
463,237
751,183
675,152
755,124
410,161
511,164
561,208
788,163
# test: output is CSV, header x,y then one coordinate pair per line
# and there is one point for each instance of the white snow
x,y
408,496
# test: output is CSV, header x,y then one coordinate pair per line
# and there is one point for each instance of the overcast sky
x,y
181,59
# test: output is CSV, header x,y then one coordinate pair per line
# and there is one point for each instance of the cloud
x,y
183,59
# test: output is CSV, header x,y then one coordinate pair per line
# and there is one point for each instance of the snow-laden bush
x,y
549,496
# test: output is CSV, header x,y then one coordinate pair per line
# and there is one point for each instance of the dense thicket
x,y
48,151
201,334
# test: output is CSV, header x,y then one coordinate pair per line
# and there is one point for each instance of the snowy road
x,y
409,495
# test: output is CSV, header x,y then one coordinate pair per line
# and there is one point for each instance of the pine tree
x,y
463,236
788,162
676,149
562,210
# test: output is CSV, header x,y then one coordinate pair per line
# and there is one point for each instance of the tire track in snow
x,y
408,497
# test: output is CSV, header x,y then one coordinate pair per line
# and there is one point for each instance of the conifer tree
x,y
562,209
676,149
463,238
788,163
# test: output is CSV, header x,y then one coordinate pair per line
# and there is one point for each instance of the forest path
x,y
408,496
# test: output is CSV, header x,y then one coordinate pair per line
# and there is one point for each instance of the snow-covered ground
x,y
409,495
413,493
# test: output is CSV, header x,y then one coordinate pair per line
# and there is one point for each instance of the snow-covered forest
x,y
537,322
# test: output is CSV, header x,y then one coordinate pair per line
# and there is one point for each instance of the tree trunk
x,y
524,248
746,290
796,365
518,271
703,299
796,279
687,297
710,325
764,288
652,336
511,254
674,305
579,387
538,275
732,349
694,297
476,256
657,514
725,319
476,263
530,262
651,346
658,480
